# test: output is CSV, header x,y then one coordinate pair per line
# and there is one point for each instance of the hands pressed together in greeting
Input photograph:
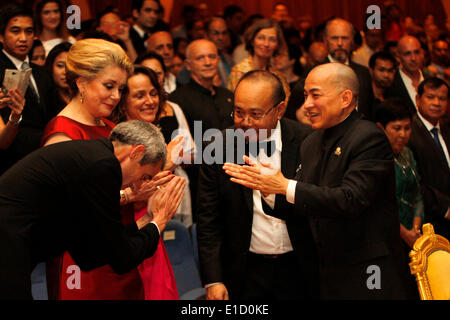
x,y
257,176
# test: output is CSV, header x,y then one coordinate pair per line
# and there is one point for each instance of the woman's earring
x,y
82,97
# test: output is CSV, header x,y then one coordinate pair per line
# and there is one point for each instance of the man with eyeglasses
x,y
345,189
248,247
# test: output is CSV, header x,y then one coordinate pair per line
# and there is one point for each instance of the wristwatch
x,y
16,123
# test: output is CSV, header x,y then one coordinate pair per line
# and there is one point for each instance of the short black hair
x,y
12,10
231,10
137,4
433,83
382,55
392,109
151,55
59,48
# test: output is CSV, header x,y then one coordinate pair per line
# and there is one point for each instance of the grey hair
x,y
137,132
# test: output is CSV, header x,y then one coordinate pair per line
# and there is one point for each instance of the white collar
x,y
405,77
139,30
18,63
428,124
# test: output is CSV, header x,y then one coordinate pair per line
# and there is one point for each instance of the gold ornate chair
x,y
430,264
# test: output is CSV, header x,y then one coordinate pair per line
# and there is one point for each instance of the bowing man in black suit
x,y
16,35
430,143
346,190
248,247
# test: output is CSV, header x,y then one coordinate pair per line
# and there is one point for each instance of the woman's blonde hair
x,y
89,57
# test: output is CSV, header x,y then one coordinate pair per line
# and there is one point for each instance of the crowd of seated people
x,y
83,84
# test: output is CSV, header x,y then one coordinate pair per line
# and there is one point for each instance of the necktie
x,y
434,131
26,66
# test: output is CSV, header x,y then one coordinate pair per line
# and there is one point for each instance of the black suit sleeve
x,y
369,163
210,225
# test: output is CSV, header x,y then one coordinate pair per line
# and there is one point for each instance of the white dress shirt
x,y
409,85
269,234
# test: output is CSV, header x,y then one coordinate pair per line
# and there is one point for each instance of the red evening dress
x,y
101,283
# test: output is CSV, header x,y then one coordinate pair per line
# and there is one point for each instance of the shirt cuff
x,y
156,227
290,192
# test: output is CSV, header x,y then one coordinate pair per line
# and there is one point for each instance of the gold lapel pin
x,y
337,151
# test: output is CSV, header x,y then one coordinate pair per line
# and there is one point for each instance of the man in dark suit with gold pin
x,y
248,248
345,188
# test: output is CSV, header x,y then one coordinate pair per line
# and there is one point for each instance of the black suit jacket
x,y
225,215
65,197
346,189
434,172
137,41
398,90
35,116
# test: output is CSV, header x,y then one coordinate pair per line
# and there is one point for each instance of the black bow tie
x,y
254,148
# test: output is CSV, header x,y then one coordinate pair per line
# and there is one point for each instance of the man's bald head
x,y
410,55
196,45
331,92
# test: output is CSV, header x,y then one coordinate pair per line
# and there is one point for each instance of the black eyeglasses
x,y
254,115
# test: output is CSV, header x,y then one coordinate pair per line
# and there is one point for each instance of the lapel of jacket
x,y
429,141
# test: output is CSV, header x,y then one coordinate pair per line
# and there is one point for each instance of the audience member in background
x,y
239,52
263,40
14,101
317,54
373,41
382,68
288,62
51,24
145,13
177,64
339,38
110,23
280,13
430,144
16,35
218,33
56,66
235,18
197,30
394,118
179,46
200,99
37,53
188,16
97,71
409,74
170,118
144,99
440,60
161,42
395,25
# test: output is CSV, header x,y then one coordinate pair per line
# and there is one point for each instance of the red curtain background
x,y
318,10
